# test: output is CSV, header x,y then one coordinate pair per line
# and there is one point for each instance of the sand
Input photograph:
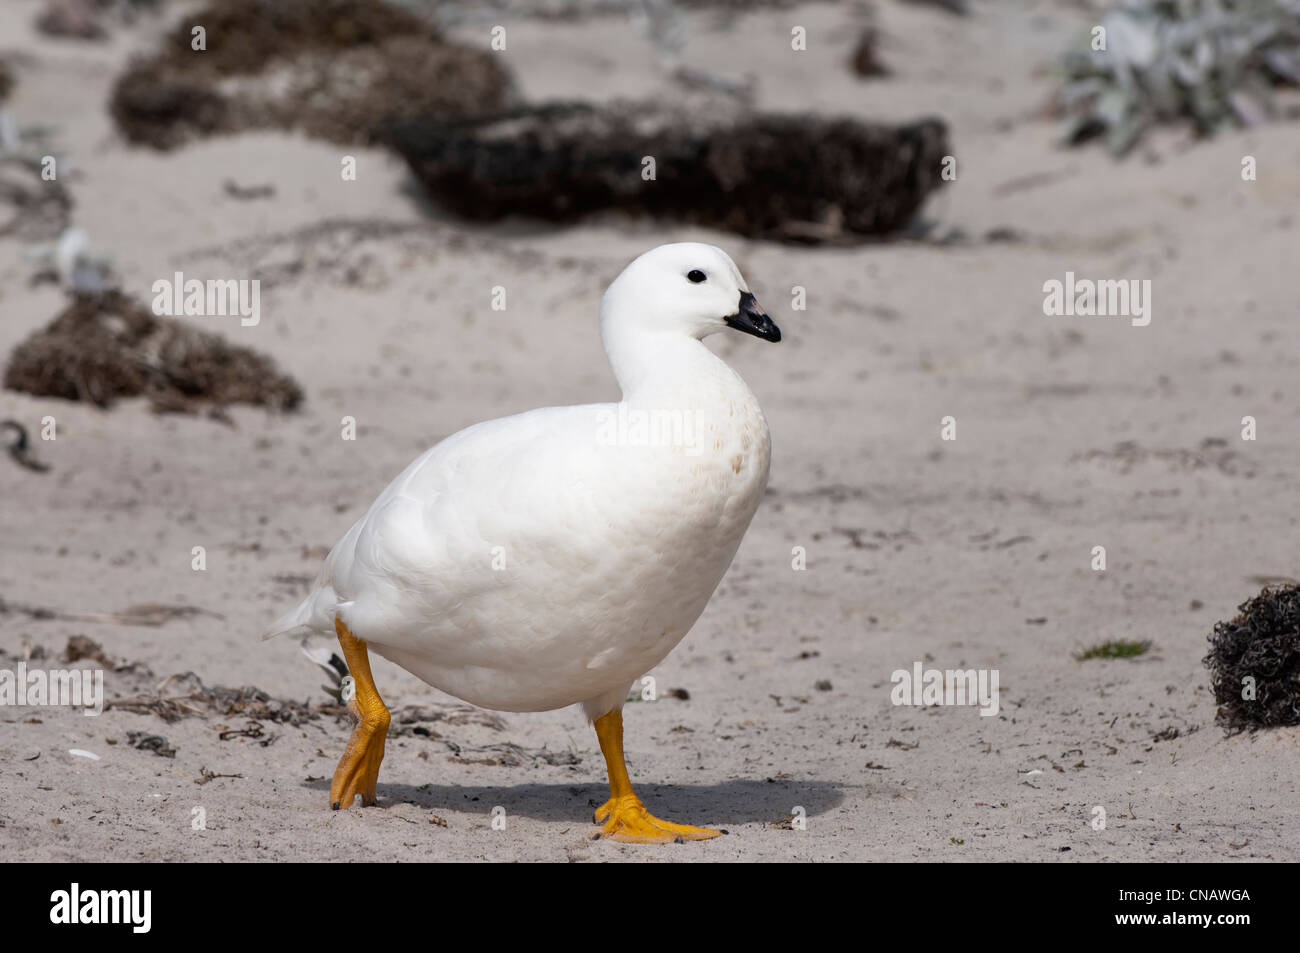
x,y
1072,432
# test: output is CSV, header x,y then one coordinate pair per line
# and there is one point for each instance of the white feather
x,y
552,558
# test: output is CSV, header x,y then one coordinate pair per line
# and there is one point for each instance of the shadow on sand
x,y
729,802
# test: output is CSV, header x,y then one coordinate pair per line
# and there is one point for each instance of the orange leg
x,y
623,816
358,769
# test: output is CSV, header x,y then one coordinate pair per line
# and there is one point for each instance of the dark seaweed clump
x,y
785,177
105,346
335,69
1263,644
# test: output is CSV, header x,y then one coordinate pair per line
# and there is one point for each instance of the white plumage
x,y
554,557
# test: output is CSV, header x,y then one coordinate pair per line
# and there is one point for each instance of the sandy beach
x,y
1072,432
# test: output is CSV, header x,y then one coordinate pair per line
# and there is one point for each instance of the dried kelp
x,y
336,69
510,755
1254,662
183,695
144,741
105,346
800,178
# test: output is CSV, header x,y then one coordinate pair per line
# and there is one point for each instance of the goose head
x,y
686,288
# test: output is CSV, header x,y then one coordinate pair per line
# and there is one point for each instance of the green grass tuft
x,y
1117,648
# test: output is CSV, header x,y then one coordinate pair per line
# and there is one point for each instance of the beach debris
x,y
205,776
79,753
865,60
18,447
90,19
414,719
1254,662
459,12
334,69
184,695
147,613
1269,579
784,177
509,755
1212,454
252,729
181,695
73,19
82,647
31,209
106,346
247,193
1210,65
959,7
333,251
144,741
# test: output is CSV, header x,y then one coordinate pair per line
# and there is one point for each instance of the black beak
x,y
752,319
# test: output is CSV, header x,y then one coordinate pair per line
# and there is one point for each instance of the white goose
x,y
554,557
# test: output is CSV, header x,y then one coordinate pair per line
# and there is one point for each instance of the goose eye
x,y
696,275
